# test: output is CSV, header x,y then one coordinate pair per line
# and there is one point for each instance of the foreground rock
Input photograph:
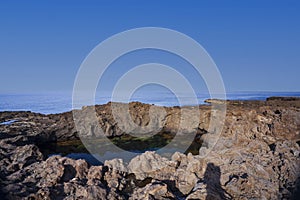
x,y
256,157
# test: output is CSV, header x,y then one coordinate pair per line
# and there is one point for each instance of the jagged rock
x,y
95,175
256,156
26,155
154,190
147,165
116,164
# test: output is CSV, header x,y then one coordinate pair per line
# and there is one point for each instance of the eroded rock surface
x,y
257,155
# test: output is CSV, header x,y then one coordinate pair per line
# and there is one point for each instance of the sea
x,y
58,102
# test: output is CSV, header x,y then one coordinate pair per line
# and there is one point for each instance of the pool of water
x,y
128,148
8,122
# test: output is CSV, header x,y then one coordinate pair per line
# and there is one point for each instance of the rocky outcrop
x,y
257,155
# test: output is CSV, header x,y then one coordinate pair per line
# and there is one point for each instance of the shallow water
x,y
129,147
8,122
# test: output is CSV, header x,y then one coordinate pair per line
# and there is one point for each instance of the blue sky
x,y
255,44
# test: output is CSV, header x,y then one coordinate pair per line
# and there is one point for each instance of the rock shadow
x,y
214,189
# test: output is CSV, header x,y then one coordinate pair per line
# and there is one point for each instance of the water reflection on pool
x,y
128,148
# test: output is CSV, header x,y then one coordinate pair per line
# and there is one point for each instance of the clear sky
x,y
255,44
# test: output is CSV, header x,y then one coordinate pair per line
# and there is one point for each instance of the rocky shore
x,y
257,155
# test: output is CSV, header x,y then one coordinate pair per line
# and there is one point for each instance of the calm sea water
x,y
57,102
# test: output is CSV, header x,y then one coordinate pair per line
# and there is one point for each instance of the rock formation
x,y
257,155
